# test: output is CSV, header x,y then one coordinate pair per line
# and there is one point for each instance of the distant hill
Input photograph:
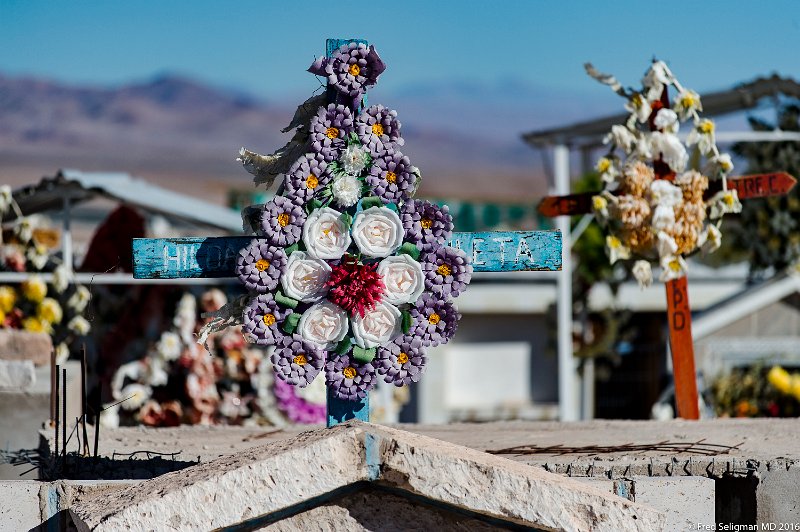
x,y
181,133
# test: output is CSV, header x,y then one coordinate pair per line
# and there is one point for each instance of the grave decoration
x,y
757,391
56,308
352,264
349,276
664,198
176,382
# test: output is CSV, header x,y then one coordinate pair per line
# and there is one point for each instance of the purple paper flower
x,y
379,130
348,379
351,69
447,271
329,130
260,266
434,320
426,224
297,361
263,318
306,177
402,361
297,409
391,177
282,221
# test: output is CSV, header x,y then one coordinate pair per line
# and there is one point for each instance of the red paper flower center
x,y
355,287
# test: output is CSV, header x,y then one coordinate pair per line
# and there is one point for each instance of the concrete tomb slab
x,y
323,474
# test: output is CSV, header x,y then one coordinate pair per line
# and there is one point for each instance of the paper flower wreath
x,y
351,277
653,206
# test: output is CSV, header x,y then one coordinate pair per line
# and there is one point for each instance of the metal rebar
x,y
53,387
84,403
64,409
96,433
57,417
698,447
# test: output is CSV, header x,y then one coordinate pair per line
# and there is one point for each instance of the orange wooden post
x,y
682,348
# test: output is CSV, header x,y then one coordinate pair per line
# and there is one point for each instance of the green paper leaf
x,y
313,205
347,220
393,206
343,346
285,300
291,249
364,355
372,201
407,321
409,249
290,324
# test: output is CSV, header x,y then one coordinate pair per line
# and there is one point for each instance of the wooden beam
x,y
198,257
747,187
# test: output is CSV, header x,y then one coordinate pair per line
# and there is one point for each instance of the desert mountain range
x,y
184,135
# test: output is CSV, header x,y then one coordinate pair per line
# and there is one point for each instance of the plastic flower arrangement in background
x,y
652,206
351,277
177,382
756,391
56,308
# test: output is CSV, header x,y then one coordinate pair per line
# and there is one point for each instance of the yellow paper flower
x,y
2,319
780,379
36,325
795,385
49,310
34,289
7,298
79,325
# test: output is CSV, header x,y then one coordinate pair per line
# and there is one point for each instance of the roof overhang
x,y
744,96
49,195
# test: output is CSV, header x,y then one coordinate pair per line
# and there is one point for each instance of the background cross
x,y
215,257
678,311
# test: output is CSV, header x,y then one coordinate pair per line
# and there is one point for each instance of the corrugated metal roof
x,y
50,192
741,97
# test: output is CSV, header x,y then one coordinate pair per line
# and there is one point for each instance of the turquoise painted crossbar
x,y
215,257
210,257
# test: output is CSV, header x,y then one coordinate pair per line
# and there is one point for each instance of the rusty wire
x,y
699,447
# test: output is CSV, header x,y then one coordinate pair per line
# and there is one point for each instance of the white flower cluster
x,y
377,234
653,203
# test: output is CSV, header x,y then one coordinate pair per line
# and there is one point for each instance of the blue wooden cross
x,y
214,257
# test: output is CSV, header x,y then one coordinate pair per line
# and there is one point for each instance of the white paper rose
x,y
378,326
325,234
377,232
403,279
324,324
305,277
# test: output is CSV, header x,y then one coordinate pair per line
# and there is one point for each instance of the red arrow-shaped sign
x,y
747,187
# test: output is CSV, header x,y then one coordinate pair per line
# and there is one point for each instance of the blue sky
x,y
263,47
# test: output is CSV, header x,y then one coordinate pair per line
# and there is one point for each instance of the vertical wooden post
x,y
679,315
339,411
682,348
